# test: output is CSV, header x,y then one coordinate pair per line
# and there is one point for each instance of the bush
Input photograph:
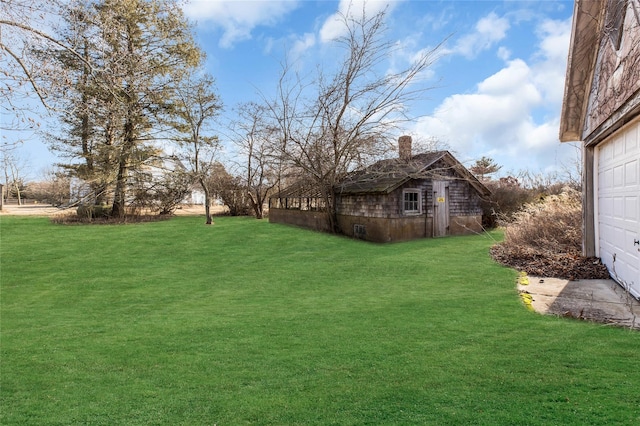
x,y
507,198
545,238
552,224
93,212
55,190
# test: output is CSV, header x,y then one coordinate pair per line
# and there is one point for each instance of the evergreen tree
x,y
135,54
483,167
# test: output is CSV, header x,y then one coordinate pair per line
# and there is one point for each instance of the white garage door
x,y
618,193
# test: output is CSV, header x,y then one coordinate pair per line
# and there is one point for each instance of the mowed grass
x,y
247,322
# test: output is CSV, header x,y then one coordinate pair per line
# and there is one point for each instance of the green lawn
x,y
247,322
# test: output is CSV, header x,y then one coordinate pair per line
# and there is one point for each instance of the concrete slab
x,y
602,301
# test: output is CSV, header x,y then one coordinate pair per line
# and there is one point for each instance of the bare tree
x,y
421,143
230,189
341,120
13,168
572,169
253,136
27,28
196,105
53,187
160,188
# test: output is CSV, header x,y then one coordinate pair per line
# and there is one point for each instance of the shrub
x,y
509,195
545,238
507,198
53,191
552,224
93,212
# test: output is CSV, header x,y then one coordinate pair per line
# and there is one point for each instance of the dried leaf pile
x,y
545,239
570,266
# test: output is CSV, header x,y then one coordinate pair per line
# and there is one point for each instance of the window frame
x,y
417,202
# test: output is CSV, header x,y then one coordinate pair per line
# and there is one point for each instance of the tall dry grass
x,y
545,239
553,225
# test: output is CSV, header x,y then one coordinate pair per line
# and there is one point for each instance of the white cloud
x,y
504,53
491,115
334,26
237,19
301,45
488,31
513,115
549,71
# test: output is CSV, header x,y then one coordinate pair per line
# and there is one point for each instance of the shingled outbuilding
x,y
413,196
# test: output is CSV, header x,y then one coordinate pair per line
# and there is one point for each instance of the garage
x,y
618,205
601,111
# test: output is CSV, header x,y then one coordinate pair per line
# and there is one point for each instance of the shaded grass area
x,y
247,322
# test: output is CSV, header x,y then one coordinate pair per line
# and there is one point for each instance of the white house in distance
x,y
601,108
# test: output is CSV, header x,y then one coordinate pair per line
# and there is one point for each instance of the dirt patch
x,y
32,210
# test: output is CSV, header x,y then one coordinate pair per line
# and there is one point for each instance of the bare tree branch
x,y
341,121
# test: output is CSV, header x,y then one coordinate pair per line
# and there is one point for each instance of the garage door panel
x,y
618,147
619,206
605,180
606,152
632,140
606,209
618,176
631,208
631,174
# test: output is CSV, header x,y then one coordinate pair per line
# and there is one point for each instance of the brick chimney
x,y
404,147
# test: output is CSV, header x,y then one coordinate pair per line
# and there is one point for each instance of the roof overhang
x,y
588,18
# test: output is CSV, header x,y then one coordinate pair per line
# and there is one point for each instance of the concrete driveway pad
x,y
602,301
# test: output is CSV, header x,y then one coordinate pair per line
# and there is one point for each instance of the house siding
x,y
315,220
601,107
381,217
370,206
385,230
616,81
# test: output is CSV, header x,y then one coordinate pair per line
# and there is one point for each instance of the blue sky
x,y
498,84
497,87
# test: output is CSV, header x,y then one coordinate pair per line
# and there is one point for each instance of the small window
x,y
359,231
411,201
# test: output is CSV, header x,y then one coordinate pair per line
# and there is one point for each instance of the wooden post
x,y
588,202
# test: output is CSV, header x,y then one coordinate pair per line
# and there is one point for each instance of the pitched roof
x,y
387,175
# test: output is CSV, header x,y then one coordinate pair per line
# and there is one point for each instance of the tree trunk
x,y
120,193
119,197
256,204
332,215
207,202
18,194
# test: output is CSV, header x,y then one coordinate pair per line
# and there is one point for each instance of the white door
x,y
618,206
